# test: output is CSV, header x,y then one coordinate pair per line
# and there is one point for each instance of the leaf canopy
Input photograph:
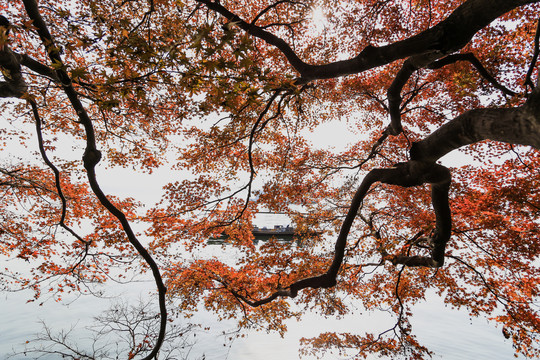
x,y
224,97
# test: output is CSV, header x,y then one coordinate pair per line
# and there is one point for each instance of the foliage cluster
x,y
224,96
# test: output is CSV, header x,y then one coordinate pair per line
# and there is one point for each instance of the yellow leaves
x,y
109,104
201,36
58,65
28,24
79,73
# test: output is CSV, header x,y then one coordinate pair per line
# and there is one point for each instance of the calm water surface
x,y
451,334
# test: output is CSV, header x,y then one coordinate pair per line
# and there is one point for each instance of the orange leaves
x,y
219,285
362,347
31,229
175,85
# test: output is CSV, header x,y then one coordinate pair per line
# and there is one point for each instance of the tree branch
x,y
412,173
10,65
528,77
91,158
270,7
38,67
446,37
410,65
258,32
428,61
470,57
59,191
520,125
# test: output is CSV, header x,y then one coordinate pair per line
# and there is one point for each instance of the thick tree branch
x,y
446,37
410,65
38,67
428,61
10,65
520,125
412,173
34,65
258,32
443,229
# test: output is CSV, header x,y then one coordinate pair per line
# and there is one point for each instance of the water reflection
x,y
282,239
285,234
450,333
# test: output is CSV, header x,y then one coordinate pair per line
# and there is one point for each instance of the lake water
x,y
450,333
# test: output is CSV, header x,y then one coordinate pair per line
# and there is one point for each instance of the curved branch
x,y
257,127
520,125
450,59
270,7
258,32
56,172
446,37
91,158
443,229
394,96
430,61
408,68
412,173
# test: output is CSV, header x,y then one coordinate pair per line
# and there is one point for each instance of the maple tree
x,y
226,93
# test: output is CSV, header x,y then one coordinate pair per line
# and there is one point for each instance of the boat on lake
x,y
277,230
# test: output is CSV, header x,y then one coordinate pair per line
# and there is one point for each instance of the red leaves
x,y
178,86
